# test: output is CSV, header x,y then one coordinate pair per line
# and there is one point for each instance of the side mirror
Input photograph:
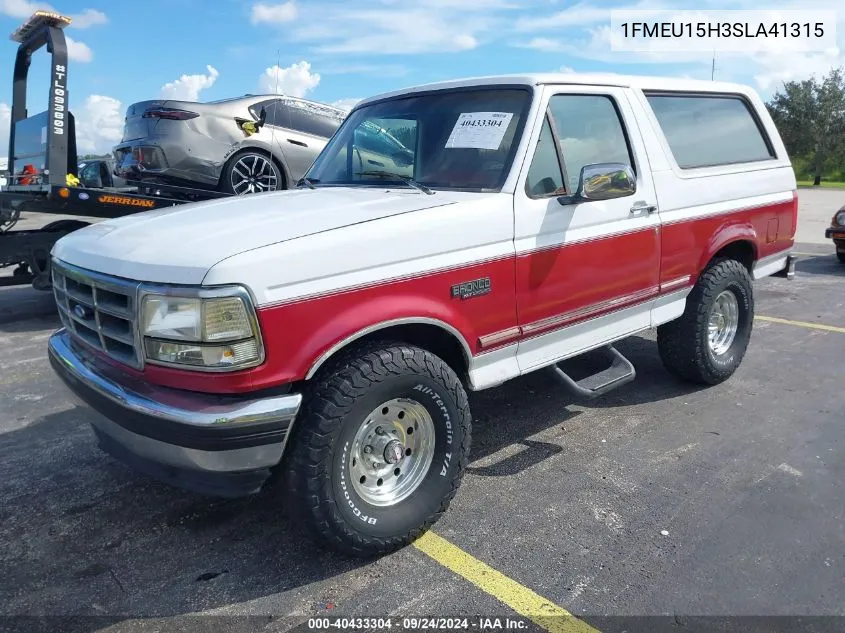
x,y
603,181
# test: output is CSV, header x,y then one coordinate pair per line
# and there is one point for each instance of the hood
x,y
179,244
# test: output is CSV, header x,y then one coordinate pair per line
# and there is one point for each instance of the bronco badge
x,y
469,289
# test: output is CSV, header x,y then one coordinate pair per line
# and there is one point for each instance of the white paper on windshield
x,y
479,130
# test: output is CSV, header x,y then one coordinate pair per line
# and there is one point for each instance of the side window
x,y
312,123
544,176
590,132
705,131
276,113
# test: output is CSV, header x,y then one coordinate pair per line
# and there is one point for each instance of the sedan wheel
x,y
252,173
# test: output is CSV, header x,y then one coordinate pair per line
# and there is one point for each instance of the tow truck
x,y
43,172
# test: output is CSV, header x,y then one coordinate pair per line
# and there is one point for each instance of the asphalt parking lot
x,y
659,499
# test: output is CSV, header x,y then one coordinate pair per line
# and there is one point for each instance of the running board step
x,y
620,372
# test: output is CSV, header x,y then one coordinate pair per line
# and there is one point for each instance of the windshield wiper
x,y
406,179
307,181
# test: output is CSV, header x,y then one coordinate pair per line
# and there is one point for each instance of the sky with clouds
x,y
339,51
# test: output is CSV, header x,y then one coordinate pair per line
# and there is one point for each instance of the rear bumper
x,y
164,160
222,446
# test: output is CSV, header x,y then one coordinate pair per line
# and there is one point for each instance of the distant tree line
x,y
810,116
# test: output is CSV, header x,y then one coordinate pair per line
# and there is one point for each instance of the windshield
x,y
461,139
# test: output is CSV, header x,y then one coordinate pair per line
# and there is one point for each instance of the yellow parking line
x,y
521,599
812,326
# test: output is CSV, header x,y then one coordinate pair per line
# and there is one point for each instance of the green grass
x,y
824,185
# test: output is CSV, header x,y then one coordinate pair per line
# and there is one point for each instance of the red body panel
x,y
296,334
688,246
570,277
553,287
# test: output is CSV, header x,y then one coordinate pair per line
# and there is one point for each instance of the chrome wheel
x,y
392,452
724,322
253,173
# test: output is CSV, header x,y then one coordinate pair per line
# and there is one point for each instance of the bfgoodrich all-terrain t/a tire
x,y
380,450
708,342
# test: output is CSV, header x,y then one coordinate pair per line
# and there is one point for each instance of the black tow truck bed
x,y
43,175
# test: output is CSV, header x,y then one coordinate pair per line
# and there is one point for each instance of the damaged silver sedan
x,y
242,145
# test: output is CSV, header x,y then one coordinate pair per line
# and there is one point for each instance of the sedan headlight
x,y
211,332
839,218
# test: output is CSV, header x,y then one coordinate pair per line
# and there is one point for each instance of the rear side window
x,y
308,122
706,131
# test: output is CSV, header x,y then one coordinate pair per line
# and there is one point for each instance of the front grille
x,y
99,310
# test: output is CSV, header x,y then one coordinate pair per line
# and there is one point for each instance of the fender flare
x,y
727,235
343,343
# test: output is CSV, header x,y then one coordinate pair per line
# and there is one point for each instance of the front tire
x,y
381,449
708,342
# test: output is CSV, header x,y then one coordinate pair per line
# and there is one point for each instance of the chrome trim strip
x,y
387,280
680,281
180,407
586,311
587,240
499,337
769,259
704,216
386,324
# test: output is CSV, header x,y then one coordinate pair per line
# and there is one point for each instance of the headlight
x,y
839,218
212,332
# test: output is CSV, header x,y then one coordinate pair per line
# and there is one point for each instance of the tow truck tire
x,y
380,450
699,346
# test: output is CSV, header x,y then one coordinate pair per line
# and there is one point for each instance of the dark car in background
x,y
97,173
836,232
241,145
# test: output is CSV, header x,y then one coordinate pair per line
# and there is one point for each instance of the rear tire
x,y
251,171
382,413
708,342
841,256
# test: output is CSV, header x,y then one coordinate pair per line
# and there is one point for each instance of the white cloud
x,y
88,18
273,13
346,104
583,31
5,124
188,87
429,26
566,69
23,9
296,80
78,51
99,125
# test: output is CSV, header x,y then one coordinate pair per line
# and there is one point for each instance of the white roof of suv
x,y
598,79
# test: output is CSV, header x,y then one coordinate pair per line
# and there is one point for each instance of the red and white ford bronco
x,y
449,238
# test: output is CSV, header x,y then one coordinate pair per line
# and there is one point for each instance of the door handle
x,y
643,206
300,143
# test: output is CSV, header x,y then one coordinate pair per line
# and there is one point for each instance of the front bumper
x,y
835,233
218,445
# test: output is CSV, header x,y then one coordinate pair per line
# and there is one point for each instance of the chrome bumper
x,y
220,445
